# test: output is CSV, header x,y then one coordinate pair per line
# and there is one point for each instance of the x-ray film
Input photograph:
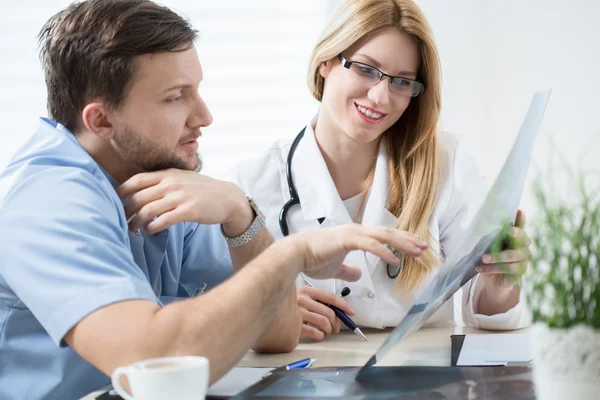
x,y
499,207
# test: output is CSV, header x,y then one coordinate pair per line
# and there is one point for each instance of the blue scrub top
x,y
66,251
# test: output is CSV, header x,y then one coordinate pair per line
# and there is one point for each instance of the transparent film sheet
x,y
499,207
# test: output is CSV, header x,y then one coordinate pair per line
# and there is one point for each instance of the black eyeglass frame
x,y
418,85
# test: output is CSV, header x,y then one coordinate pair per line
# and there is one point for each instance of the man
x,y
105,221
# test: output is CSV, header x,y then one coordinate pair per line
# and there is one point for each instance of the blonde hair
x,y
412,140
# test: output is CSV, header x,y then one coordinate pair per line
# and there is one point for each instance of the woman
x,y
374,155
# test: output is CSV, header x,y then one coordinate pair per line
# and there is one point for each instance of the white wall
x,y
552,44
494,53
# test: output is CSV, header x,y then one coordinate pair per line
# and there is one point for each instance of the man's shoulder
x,y
53,165
51,144
59,196
45,181
65,192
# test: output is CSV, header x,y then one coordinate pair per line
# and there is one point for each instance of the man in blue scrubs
x,y
104,221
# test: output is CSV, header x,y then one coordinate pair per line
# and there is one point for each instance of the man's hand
x,y
176,195
322,252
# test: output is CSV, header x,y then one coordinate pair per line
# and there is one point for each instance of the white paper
x,y
495,349
237,380
499,208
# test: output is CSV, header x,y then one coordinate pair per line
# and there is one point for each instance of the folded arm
x,y
173,196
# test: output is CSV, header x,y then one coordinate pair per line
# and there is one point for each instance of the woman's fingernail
x,y
479,269
515,232
487,258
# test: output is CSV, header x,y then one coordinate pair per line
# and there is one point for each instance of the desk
x,y
429,346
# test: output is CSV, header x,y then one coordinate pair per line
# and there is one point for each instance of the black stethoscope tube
x,y
295,199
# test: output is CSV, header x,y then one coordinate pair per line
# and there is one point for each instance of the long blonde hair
x,y
412,140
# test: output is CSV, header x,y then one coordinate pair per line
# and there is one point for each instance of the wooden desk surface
x,y
426,347
430,346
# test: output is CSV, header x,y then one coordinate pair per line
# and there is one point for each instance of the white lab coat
x,y
373,297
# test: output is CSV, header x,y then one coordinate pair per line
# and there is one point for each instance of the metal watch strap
x,y
253,229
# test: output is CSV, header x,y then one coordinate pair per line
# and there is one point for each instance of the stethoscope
x,y
392,270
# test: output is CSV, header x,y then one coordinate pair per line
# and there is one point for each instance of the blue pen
x,y
340,314
305,363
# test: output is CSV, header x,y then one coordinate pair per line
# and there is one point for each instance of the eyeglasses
x,y
371,75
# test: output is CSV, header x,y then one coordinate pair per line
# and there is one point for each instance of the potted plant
x,y
563,288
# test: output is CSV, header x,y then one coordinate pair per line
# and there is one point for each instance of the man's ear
x,y
325,67
97,120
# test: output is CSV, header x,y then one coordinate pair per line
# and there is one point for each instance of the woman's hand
x,y
318,320
501,272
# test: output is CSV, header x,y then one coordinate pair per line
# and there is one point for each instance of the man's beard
x,y
134,148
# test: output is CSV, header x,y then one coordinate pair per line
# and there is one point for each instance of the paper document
x,y
499,208
495,349
237,380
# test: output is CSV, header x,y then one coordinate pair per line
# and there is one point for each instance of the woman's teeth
x,y
369,113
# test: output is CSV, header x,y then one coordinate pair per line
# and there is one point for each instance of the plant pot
x,y
566,362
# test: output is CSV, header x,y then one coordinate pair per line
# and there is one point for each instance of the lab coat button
x,y
371,295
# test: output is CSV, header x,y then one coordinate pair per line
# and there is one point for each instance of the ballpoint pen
x,y
301,364
340,314
305,363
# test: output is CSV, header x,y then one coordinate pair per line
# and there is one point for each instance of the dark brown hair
x,y
87,50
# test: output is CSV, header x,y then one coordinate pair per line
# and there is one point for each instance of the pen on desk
x,y
305,363
342,316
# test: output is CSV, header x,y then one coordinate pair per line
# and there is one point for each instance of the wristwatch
x,y
253,229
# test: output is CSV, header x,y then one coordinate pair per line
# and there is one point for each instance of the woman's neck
x,y
349,162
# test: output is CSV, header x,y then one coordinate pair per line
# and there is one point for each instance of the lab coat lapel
x,y
318,195
376,212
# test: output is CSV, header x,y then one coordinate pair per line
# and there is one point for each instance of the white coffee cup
x,y
179,378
